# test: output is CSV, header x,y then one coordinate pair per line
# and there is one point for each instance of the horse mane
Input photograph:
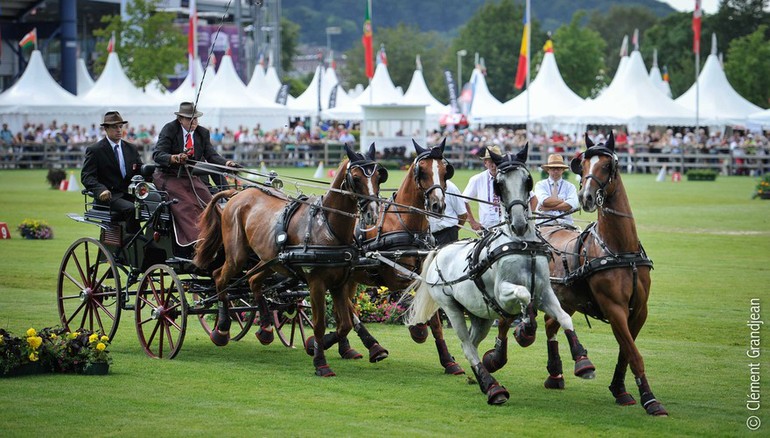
x,y
210,234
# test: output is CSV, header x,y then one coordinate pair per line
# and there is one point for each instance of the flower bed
x,y
53,350
763,187
35,229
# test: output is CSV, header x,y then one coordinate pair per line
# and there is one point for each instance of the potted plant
x,y
35,229
702,175
20,356
763,187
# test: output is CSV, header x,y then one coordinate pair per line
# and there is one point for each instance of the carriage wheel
x,y
242,320
161,312
88,289
292,321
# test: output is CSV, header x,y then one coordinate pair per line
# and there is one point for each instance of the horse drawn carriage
x,y
148,273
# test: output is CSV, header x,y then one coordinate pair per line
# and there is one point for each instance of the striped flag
x,y
696,19
30,39
548,47
521,71
192,42
111,44
366,40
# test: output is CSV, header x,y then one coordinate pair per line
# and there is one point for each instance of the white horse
x,y
491,277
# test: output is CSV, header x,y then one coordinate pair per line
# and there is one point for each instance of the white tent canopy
x,y
717,100
85,81
380,91
760,118
418,94
257,82
656,77
550,98
485,108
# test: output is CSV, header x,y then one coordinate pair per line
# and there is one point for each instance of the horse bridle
x,y
368,168
601,193
426,192
506,167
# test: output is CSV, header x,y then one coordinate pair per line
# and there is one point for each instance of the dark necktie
x,y
117,157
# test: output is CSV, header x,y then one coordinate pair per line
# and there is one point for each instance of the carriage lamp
x,y
139,188
274,181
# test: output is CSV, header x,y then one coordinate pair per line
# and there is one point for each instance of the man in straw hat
x,y
555,195
108,167
179,141
480,186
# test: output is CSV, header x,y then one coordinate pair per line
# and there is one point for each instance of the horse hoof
x,y
324,371
584,368
554,382
310,346
522,335
625,399
220,339
454,369
265,335
656,409
377,353
490,361
497,395
351,354
419,332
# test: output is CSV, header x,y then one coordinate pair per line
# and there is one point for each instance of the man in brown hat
x,y
108,167
181,140
481,186
555,195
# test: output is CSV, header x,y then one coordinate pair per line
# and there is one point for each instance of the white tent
x,y
85,82
760,118
380,91
256,84
418,94
718,102
186,92
656,77
633,100
550,98
37,97
485,108
155,89
272,84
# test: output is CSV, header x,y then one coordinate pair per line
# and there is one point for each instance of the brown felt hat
x,y
113,118
494,149
186,110
555,161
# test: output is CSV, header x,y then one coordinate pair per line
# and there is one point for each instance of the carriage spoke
x,y
73,280
80,269
100,305
168,336
75,313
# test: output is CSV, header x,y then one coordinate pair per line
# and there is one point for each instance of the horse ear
x,y
417,148
372,151
576,164
442,146
497,159
522,155
352,156
610,143
589,143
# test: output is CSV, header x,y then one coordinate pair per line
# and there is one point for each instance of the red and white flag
x,y
111,44
382,58
696,21
635,39
192,42
30,39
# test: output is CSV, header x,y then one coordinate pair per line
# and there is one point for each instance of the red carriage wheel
x,y
88,288
291,322
161,312
242,315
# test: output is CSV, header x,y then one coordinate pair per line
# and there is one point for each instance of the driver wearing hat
x,y
108,167
179,141
555,195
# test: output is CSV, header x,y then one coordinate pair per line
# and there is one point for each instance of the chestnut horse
x,y
404,226
308,239
602,272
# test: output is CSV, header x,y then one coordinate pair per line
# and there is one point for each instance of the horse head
x,y
598,168
513,183
363,178
431,170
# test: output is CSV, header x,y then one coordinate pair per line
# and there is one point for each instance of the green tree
x,y
402,45
147,43
619,21
289,40
495,33
737,18
579,52
747,64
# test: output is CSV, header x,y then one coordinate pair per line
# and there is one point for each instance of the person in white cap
x,y
555,195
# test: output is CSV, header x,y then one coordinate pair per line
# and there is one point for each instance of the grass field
x,y
711,247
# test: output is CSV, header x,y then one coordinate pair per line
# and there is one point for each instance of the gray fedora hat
x,y
113,118
186,110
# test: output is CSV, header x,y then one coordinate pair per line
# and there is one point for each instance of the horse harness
x,y
477,265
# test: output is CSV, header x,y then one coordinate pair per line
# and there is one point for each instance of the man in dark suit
x,y
178,141
109,165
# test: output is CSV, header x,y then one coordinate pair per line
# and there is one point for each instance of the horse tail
x,y
423,305
210,235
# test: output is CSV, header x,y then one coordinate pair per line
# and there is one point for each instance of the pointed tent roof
x,y
381,90
656,77
485,108
418,94
272,84
155,89
185,92
226,90
36,87
634,100
257,82
85,81
114,86
717,100
551,98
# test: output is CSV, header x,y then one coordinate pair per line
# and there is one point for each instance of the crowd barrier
x,y
69,156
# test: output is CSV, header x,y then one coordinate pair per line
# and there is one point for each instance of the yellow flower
x,y
53,336
93,338
33,357
35,342
31,332
100,346
104,338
